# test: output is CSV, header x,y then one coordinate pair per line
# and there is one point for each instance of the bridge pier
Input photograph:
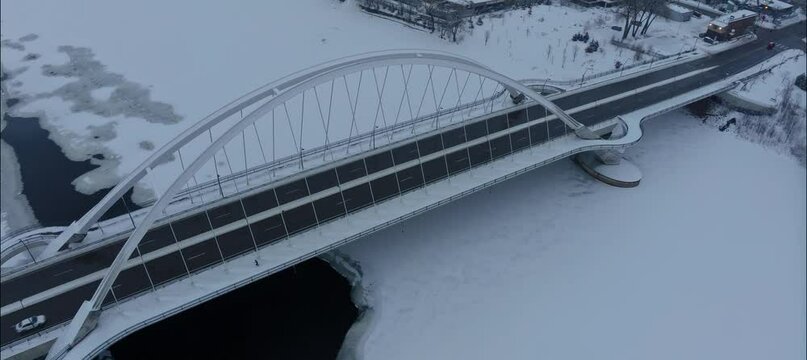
x,y
609,167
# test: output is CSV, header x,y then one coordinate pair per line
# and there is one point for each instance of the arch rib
x,y
278,92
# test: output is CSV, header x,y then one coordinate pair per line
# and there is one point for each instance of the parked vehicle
x,y
617,28
771,45
30,323
696,14
702,35
709,40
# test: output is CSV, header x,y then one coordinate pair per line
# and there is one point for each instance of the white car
x,y
30,323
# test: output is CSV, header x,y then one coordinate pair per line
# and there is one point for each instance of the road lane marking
x,y
63,272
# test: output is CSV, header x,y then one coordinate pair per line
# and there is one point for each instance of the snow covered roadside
x,y
557,265
795,18
785,131
699,5
767,89
725,45
249,46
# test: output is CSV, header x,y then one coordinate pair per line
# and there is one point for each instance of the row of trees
x,y
447,18
640,14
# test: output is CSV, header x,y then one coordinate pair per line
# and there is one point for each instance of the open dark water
x,y
47,174
301,313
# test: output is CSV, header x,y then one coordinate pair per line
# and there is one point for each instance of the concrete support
x,y
609,167
86,320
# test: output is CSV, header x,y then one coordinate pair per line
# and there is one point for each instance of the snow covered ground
x,y
768,23
704,260
768,89
786,130
116,76
668,37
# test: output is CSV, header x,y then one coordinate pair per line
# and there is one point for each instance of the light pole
x,y
584,76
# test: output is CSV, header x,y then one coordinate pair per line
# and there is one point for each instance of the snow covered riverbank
x,y
705,259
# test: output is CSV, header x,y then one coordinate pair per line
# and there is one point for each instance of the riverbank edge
x,y
356,337
18,211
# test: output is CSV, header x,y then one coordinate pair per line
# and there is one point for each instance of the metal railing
x,y
163,315
609,72
139,325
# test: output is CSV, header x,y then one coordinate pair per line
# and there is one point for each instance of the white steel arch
x,y
78,229
278,92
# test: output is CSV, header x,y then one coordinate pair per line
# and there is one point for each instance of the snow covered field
x,y
123,89
704,260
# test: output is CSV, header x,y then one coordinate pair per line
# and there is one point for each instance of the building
x,y
731,25
600,3
478,7
677,13
769,8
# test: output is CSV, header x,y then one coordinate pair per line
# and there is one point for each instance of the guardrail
x,y
139,325
34,335
609,72
291,159
16,232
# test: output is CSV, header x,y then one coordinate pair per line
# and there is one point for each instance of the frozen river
x,y
704,260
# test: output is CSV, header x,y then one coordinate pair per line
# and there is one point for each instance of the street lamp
x,y
584,75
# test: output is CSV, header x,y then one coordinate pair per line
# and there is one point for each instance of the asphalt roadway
x,y
63,307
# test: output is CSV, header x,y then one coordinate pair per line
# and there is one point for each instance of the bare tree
x,y
454,27
430,8
788,117
629,10
563,64
639,15
655,8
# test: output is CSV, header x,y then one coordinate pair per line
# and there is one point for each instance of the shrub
x,y
801,81
593,46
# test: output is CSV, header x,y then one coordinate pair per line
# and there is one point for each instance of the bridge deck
x,y
730,62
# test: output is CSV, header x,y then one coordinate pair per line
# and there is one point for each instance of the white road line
x,y
63,272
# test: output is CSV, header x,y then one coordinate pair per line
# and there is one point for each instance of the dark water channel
x,y
301,313
47,174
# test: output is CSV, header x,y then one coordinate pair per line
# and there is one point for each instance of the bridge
x,y
310,162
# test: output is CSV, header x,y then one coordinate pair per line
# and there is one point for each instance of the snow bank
x,y
768,89
704,259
